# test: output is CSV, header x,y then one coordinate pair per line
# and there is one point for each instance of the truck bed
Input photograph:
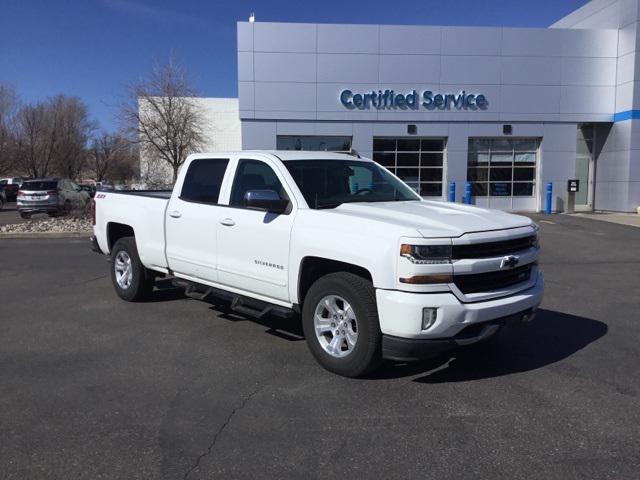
x,y
141,210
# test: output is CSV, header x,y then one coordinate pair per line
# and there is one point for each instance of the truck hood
x,y
433,219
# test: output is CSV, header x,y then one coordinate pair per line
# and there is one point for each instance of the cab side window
x,y
254,175
203,180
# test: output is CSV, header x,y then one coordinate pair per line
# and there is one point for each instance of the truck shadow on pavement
x,y
165,291
552,337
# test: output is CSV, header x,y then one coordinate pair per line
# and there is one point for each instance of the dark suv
x,y
54,196
10,186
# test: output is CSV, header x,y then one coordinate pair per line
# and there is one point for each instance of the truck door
x,y
253,245
192,218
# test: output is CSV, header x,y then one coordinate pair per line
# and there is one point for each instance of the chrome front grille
x,y
490,281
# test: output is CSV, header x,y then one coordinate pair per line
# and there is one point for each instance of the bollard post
x,y
452,191
549,198
467,193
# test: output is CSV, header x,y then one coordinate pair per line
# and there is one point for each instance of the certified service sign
x,y
412,100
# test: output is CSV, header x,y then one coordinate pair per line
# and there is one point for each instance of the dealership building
x,y
507,109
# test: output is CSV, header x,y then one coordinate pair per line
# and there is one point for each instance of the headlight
x,y
426,254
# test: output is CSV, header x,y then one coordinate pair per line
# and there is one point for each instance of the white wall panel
x,y
578,99
245,67
530,99
531,70
471,40
348,38
284,67
245,36
289,37
409,39
410,68
258,135
347,68
281,96
478,70
536,42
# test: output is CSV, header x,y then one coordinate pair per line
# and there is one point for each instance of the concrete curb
x,y
627,219
45,234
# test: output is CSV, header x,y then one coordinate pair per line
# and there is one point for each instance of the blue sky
x,y
95,48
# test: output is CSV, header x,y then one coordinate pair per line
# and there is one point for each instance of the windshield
x,y
330,183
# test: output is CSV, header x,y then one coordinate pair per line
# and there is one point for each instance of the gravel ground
x,y
56,224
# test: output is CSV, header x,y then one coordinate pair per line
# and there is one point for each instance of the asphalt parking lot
x,y
93,387
9,214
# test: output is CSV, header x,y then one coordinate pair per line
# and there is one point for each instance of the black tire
x,y
142,280
25,215
360,294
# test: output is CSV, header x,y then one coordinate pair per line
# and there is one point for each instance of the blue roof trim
x,y
626,115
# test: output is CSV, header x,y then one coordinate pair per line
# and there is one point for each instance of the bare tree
x,y
71,119
107,156
52,137
127,165
162,114
36,137
8,110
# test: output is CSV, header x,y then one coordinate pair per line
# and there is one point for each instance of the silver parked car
x,y
55,196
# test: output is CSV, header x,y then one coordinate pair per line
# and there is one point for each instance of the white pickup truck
x,y
373,270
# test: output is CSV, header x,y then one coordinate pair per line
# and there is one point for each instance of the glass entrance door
x,y
584,167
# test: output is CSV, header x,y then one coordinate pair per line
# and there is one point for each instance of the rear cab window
x,y
203,180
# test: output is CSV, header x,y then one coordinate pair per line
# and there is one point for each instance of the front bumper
x,y
400,313
411,349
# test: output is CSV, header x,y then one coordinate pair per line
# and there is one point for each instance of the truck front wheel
x,y
340,322
132,281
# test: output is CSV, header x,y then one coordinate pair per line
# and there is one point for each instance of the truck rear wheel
x,y
132,281
340,323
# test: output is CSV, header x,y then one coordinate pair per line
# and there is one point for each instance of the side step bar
x,y
241,304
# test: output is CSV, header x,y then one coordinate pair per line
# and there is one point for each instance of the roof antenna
x,y
252,17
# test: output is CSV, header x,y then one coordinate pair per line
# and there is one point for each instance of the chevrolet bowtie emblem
x,y
509,261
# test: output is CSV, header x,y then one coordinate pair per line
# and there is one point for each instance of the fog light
x,y
428,317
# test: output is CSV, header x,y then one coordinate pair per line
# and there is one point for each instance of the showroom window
x,y
419,162
502,167
314,143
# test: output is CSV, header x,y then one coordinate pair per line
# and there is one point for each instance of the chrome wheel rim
x,y
336,326
123,270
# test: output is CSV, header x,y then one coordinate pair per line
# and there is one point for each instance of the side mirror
x,y
268,200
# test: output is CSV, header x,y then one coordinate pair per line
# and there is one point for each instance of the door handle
x,y
175,214
228,222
